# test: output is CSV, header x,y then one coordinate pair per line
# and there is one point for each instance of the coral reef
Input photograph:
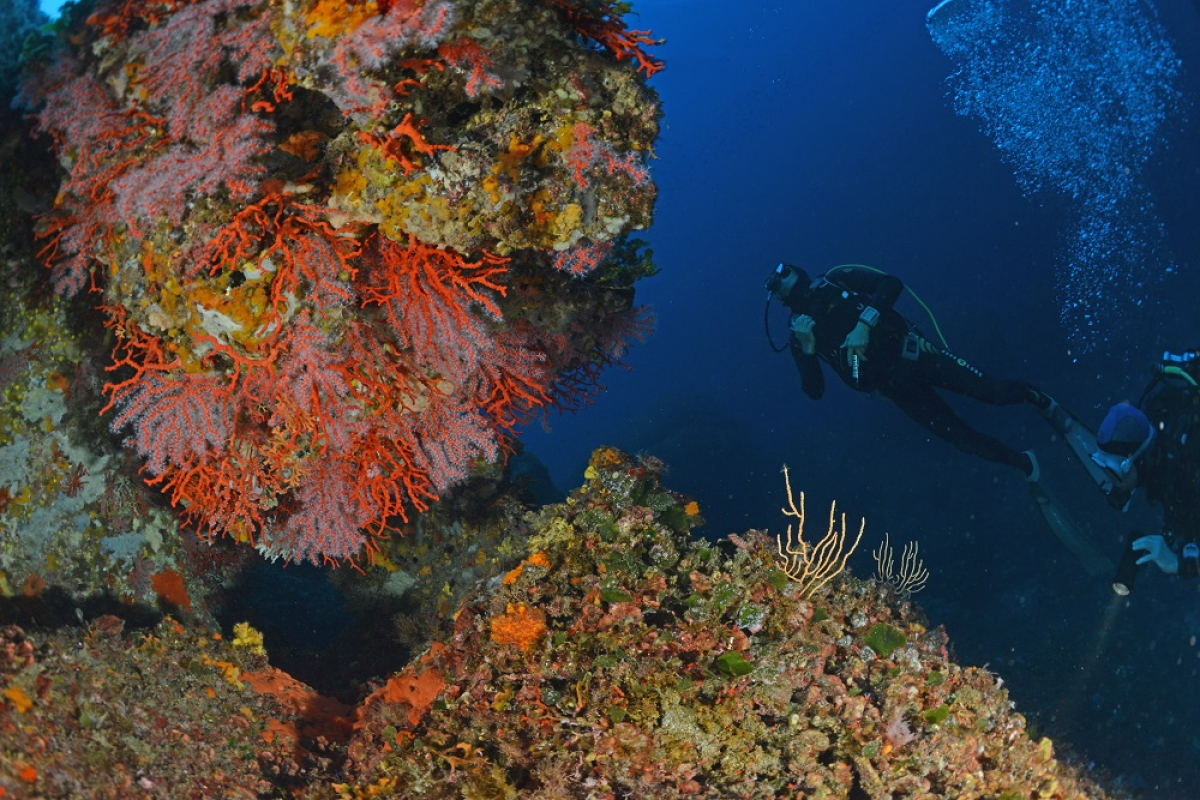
x,y
345,248
623,658
107,712
341,250
617,656
76,521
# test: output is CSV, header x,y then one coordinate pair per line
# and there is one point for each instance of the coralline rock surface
x,y
344,248
617,656
107,712
624,658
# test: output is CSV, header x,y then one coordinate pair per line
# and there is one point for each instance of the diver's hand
x,y
1156,549
802,329
856,342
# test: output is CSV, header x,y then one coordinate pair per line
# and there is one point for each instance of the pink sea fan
x,y
407,22
227,159
136,161
186,54
76,109
587,153
311,386
626,327
583,257
454,435
433,298
213,141
88,126
373,44
177,418
329,523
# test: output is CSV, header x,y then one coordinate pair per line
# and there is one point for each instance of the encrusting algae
x,y
625,658
665,666
344,250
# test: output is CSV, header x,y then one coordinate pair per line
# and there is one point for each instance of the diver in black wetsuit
x,y
846,319
1155,446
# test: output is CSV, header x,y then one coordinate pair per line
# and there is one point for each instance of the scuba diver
x,y
1154,445
1150,445
846,319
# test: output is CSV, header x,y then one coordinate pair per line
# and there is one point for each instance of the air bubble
x,y
1064,92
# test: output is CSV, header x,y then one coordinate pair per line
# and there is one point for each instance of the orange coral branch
x,y
608,29
396,144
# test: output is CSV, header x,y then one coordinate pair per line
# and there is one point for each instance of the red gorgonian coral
x,y
306,226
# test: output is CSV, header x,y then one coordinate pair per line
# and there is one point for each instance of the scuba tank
x,y
1172,402
1172,399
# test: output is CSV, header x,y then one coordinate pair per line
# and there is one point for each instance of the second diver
x,y
846,318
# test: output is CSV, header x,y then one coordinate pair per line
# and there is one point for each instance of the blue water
x,y
825,133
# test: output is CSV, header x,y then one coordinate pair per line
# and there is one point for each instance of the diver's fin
x,y
1090,557
1081,441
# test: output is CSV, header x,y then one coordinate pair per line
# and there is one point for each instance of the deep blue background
x,y
822,133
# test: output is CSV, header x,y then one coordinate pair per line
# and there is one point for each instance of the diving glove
x,y
856,342
802,328
1156,550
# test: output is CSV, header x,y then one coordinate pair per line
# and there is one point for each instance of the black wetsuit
x,y
900,364
1170,472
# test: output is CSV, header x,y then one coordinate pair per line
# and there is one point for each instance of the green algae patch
x,y
732,665
611,595
883,639
676,519
778,580
936,716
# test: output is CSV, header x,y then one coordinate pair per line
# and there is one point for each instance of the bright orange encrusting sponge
x,y
519,626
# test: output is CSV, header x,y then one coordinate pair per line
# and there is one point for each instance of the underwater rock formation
x,y
110,713
622,657
345,248
18,19
618,655
76,520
